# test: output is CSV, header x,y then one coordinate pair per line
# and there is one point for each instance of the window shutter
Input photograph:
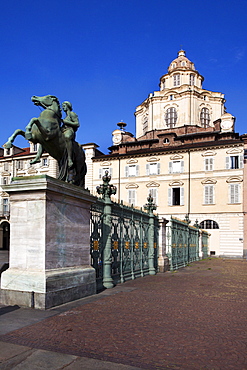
x,y
147,169
126,171
227,163
158,168
237,193
181,196
182,166
169,197
231,193
137,170
211,164
211,194
234,193
132,197
241,161
170,167
206,194
153,192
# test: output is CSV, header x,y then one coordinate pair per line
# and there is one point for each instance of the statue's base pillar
x,y
49,244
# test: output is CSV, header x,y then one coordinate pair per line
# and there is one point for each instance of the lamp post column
x,y
150,207
107,190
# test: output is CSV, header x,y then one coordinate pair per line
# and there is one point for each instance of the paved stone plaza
x,y
194,318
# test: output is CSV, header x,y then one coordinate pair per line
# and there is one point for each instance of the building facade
x,y
15,162
185,153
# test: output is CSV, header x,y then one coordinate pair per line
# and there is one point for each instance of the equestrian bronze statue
x,y
51,132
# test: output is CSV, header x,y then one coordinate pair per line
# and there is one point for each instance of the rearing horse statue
x,y
46,130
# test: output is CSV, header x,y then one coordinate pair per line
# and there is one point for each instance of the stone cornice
x,y
170,150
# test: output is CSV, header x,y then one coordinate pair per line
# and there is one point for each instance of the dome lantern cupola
x,y
181,62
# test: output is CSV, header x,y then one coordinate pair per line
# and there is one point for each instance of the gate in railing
x,y
182,243
124,240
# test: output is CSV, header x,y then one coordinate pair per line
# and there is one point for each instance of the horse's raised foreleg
x,y
11,139
38,155
28,133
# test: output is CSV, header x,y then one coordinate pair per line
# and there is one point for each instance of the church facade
x,y
186,153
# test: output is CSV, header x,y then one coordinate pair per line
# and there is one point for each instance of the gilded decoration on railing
x,y
95,245
115,244
127,245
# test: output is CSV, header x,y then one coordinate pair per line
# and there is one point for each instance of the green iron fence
x,y
183,242
124,240
205,238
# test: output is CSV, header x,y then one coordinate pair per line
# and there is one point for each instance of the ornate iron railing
x,y
182,243
205,238
124,240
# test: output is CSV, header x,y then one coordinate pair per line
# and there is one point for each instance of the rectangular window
x,y
209,194
234,162
176,196
6,166
153,169
234,193
154,194
176,167
103,170
5,180
192,79
5,206
45,162
131,170
132,196
176,79
209,164
19,165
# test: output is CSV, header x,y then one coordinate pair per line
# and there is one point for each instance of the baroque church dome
x,y
181,62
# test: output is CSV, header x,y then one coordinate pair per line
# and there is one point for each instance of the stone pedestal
x,y
49,243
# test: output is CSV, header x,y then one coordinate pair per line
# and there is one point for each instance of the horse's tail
x,y
80,165
63,167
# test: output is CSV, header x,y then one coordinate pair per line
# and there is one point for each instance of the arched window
x,y
171,117
204,117
209,224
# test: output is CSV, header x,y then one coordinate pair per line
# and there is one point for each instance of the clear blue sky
x,y
106,56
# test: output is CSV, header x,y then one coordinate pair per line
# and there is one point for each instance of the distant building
x,y
16,162
185,153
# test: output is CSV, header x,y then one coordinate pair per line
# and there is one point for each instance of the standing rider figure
x,y
69,128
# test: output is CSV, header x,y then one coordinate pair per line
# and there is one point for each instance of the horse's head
x,y
47,101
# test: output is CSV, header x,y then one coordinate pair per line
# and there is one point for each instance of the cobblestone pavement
x,y
191,319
